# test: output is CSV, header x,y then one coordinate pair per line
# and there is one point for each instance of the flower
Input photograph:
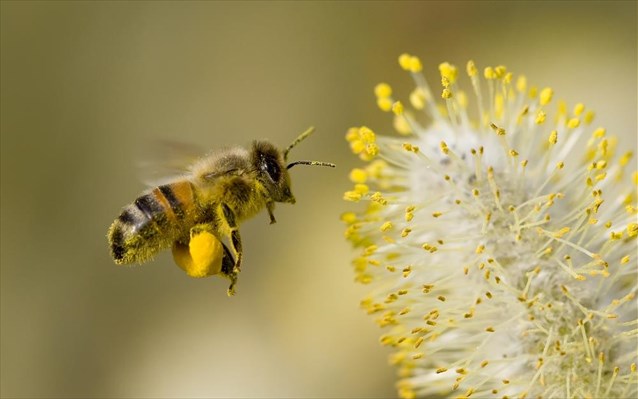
x,y
499,241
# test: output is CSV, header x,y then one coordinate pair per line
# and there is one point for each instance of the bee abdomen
x,y
150,223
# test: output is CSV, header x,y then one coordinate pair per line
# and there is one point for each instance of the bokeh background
x,y
85,86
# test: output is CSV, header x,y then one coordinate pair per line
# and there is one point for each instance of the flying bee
x,y
198,215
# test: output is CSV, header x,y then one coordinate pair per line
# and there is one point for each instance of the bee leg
x,y
235,238
271,208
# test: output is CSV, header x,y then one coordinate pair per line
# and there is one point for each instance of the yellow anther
x,y
348,217
405,232
560,165
375,168
404,61
500,71
507,79
600,165
553,137
378,198
599,133
415,64
397,108
383,90
436,214
441,370
615,235
490,329
579,109
521,84
471,68
384,104
499,130
445,82
461,98
372,149
448,71
533,92
480,249
513,153
401,125
540,117
632,229
589,117
358,175
352,196
357,146
489,73
417,98
546,96
352,134
367,135
386,226
446,94
361,188
410,147
625,158
560,233
573,123
444,147
624,260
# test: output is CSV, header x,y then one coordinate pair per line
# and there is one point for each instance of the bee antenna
x,y
311,163
298,140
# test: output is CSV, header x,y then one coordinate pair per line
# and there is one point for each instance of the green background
x,y
86,86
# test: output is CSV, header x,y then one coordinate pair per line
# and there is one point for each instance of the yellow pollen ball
x,y
553,137
579,108
446,94
203,257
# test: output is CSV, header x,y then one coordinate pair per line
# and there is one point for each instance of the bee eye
x,y
273,170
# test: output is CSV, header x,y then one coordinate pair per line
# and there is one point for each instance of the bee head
x,y
272,171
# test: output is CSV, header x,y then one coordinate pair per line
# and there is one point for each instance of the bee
x,y
198,215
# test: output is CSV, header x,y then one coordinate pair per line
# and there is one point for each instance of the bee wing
x,y
166,161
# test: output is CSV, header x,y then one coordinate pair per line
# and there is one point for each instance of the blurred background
x,y
86,85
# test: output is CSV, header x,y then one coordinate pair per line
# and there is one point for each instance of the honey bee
x,y
198,214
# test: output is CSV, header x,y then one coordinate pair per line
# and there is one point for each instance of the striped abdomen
x,y
152,222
